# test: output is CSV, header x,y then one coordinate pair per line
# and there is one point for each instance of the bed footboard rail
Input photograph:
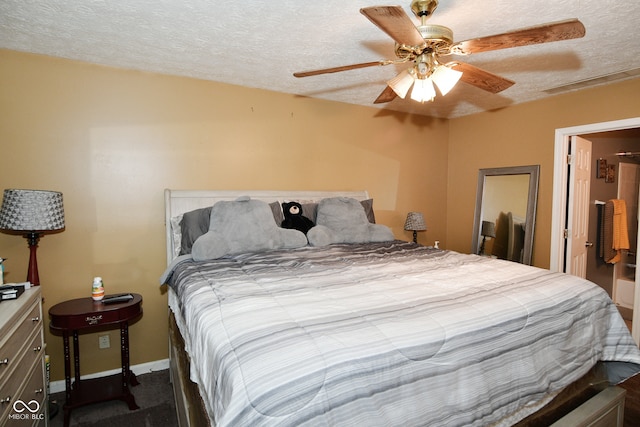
x,y
190,408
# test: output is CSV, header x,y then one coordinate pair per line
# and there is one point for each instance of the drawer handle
x,y
35,319
38,391
37,349
6,399
4,361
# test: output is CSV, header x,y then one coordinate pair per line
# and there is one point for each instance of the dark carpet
x,y
154,395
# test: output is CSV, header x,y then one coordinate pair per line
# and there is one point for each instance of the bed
x,y
384,333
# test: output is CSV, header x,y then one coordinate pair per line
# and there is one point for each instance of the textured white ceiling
x,y
261,43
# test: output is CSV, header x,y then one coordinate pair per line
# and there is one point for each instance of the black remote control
x,y
113,299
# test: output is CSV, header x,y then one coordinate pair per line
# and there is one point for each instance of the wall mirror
x,y
505,213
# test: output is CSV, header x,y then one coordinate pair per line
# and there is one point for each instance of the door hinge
x,y
568,159
565,232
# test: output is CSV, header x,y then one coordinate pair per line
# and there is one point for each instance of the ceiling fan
x,y
425,45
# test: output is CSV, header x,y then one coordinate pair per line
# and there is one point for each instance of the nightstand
x,y
84,314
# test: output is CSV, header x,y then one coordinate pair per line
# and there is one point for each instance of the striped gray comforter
x,y
387,334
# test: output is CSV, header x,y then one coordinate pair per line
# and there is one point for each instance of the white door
x,y
560,199
578,215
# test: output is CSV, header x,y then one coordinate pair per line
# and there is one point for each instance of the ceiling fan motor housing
x,y
437,39
436,33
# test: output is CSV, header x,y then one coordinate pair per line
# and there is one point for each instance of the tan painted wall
x,y
523,135
111,140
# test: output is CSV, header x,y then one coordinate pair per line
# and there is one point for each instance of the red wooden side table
x,y
85,314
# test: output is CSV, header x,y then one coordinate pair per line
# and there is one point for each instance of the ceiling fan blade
x,y
481,78
339,69
387,95
551,32
395,22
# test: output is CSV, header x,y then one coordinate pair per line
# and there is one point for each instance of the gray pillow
x,y
343,220
368,209
195,223
241,226
276,209
310,210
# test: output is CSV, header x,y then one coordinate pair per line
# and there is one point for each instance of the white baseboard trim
x,y
143,368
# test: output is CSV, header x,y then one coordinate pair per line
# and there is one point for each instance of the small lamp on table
x,y
415,222
488,230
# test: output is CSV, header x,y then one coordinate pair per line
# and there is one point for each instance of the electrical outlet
x,y
104,342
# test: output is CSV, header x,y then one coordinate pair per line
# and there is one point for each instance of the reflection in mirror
x,y
505,213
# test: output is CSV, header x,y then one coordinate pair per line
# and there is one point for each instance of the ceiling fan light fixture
x,y
423,90
401,83
422,69
445,78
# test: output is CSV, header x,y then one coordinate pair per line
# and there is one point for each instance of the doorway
x,y
560,206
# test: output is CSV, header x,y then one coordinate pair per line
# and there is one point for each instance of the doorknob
x,y
588,244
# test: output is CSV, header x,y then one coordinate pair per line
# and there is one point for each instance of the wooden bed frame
x,y
589,402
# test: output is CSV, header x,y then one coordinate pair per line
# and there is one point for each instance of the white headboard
x,y
177,202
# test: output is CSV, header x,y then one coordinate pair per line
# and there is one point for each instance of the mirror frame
x,y
532,200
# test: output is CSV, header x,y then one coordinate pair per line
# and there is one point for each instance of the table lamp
x,y
32,213
488,230
415,223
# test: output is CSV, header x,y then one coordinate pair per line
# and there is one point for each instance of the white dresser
x,y
23,399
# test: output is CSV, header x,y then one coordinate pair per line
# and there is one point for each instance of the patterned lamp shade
x,y
488,229
32,210
415,222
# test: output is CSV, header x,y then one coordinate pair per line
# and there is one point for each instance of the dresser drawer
x,y
22,364
14,344
32,413
12,312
